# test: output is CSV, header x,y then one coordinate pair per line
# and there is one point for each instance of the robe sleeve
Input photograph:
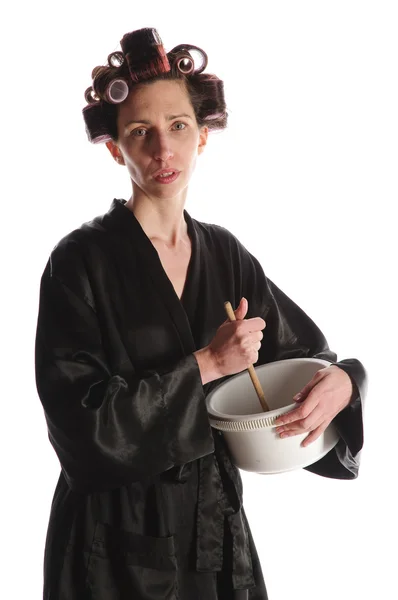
x,y
290,333
109,430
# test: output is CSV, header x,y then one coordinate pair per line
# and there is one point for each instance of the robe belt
x,y
220,501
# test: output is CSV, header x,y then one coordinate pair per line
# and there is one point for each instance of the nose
x,y
161,147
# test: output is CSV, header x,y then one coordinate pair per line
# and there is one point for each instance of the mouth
x,y
167,176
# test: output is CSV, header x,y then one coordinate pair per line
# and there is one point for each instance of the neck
x,y
162,221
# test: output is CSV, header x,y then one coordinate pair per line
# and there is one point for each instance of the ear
x,y
203,134
115,151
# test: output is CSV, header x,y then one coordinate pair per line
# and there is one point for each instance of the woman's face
x,y
157,130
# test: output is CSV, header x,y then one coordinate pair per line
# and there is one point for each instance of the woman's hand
x,y
234,347
328,393
237,343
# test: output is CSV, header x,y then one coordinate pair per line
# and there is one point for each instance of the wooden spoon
x,y
252,372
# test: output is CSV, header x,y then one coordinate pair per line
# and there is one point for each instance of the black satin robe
x,y
148,504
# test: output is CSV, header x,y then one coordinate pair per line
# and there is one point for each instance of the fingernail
x,y
298,397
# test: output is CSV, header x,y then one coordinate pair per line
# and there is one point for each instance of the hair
x,y
205,90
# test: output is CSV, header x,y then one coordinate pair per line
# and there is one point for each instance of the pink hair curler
x,y
117,91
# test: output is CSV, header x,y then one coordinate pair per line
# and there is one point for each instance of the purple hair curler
x,y
117,91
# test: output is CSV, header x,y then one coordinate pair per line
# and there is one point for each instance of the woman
x,y
132,336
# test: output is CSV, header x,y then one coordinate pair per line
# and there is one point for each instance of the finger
x,y
291,432
314,435
303,393
242,309
248,345
308,424
300,430
253,325
301,412
255,337
237,314
234,315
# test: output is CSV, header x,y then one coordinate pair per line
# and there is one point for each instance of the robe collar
x,y
119,216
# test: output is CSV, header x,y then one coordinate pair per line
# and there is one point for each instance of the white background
x,y
304,176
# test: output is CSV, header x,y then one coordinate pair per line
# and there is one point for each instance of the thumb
x,y
242,309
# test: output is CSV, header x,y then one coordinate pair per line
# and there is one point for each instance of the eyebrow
x,y
169,118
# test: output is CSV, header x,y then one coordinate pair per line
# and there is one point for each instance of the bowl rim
x,y
218,416
259,420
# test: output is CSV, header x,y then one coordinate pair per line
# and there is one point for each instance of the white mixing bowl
x,y
234,409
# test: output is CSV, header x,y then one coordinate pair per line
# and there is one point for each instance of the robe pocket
x,y
125,565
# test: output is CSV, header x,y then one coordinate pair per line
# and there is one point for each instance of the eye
x,y
134,132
